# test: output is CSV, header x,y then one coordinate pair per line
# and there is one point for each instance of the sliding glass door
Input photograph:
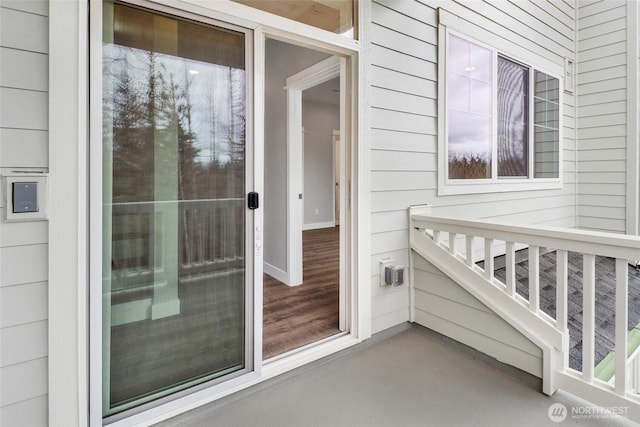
x,y
176,286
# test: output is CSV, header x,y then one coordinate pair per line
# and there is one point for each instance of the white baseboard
x,y
276,273
317,225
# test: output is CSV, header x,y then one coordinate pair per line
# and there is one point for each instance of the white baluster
x,y
588,316
510,268
622,315
562,275
534,278
470,250
636,376
488,259
452,243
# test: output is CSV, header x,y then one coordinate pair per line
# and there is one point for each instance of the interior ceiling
x,y
323,14
325,93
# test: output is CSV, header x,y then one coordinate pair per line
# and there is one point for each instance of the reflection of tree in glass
x,y
469,166
153,103
174,137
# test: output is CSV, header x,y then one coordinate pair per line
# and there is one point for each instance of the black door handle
x,y
253,200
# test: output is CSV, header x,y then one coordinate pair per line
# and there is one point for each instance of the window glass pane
x,y
336,16
459,92
546,126
480,99
458,55
513,111
480,63
174,110
469,146
469,109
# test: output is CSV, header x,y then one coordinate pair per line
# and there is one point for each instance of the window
x,y
502,119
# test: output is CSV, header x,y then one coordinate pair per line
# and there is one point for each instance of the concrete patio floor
x,y
409,376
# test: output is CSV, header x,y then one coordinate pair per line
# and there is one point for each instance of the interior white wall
x,y
281,61
319,120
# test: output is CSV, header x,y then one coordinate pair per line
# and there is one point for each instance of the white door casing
x,y
319,73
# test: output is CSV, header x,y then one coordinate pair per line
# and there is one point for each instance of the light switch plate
x,y
25,196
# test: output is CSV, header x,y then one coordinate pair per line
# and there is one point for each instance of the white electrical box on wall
x,y
25,196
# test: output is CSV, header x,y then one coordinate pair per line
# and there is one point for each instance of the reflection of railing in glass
x,y
211,240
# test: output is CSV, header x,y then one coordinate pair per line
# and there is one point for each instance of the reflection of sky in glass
x,y
469,134
458,59
212,90
458,92
480,100
469,96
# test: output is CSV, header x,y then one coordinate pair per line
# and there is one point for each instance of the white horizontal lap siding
x,y
23,246
442,305
404,125
404,138
602,116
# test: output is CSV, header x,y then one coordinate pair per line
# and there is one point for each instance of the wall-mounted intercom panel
x,y
25,195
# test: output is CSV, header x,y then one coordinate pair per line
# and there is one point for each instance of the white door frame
x,y
317,74
68,373
163,407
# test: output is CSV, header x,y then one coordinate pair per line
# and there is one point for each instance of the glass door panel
x,y
174,259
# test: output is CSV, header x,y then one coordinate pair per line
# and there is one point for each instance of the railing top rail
x,y
584,241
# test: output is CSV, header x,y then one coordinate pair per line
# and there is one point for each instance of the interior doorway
x,y
304,250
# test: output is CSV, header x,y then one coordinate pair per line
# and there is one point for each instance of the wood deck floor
x,y
300,315
605,298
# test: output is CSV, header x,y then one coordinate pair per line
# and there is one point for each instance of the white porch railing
x,y
449,244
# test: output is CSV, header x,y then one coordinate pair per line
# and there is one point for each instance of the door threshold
x,y
303,348
309,353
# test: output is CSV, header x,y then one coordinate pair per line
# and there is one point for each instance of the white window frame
x,y
451,25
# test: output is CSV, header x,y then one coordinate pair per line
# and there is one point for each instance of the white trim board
x,y
316,74
68,214
633,97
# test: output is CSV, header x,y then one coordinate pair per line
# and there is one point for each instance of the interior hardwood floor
x,y
299,315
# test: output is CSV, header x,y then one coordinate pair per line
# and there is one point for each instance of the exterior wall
x,y
603,96
601,81
404,126
24,49
444,306
404,114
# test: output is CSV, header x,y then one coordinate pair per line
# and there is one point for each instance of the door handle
x,y
253,200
